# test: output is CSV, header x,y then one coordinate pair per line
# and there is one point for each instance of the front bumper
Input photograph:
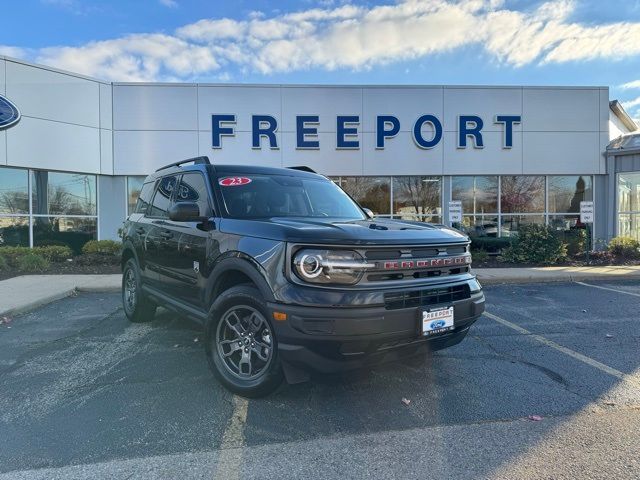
x,y
333,339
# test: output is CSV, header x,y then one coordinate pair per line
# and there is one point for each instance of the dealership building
x,y
72,164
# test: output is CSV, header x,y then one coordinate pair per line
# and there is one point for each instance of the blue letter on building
x,y
343,131
417,131
302,130
508,121
263,126
464,130
382,133
218,131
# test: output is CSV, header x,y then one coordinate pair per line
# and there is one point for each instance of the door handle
x,y
140,231
166,235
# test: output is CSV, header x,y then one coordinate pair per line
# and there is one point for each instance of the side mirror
x,y
184,212
368,212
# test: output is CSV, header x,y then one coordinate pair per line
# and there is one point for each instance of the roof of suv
x,y
232,170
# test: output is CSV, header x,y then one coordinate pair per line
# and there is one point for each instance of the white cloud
x,y
169,3
352,37
16,52
630,85
631,104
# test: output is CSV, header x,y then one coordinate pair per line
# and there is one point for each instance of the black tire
x,y
137,307
239,332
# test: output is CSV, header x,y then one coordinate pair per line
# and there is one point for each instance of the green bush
x,y
32,263
576,240
103,247
4,265
536,244
625,247
12,254
54,253
490,244
479,256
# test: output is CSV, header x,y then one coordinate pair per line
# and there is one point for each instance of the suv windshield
x,y
261,196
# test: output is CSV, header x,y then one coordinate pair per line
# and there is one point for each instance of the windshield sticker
x,y
233,181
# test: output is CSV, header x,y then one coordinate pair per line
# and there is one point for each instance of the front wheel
x,y
137,307
241,345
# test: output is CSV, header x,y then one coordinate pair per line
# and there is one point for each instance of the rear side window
x,y
144,198
193,188
162,198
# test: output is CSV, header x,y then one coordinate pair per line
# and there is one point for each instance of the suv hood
x,y
340,232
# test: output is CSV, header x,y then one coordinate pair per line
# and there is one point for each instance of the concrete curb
x,y
21,296
553,279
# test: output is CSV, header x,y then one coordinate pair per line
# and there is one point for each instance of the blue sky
x,y
553,42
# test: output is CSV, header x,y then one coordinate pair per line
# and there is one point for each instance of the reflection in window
x,y
511,223
73,232
522,194
144,198
629,225
63,193
629,192
566,193
194,189
14,196
480,225
417,196
370,192
134,185
162,197
14,231
477,194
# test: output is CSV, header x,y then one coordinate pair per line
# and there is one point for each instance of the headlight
x,y
344,267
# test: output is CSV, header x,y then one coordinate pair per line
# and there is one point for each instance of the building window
x,y
38,207
566,193
417,198
373,193
134,185
522,194
479,197
629,205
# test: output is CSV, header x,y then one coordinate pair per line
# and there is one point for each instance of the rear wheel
x,y
137,307
241,346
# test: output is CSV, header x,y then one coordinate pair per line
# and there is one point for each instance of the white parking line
x,y
567,351
230,459
609,289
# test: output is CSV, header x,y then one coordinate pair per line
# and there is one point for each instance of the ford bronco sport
x,y
288,274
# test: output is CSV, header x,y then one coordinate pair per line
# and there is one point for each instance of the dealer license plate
x,y
437,320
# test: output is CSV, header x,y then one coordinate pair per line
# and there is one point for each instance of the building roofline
x,y
619,111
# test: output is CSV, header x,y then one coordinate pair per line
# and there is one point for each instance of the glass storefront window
x,y
134,185
419,196
418,218
629,225
370,192
478,194
14,231
480,225
522,194
566,193
510,224
14,195
63,193
73,232
629,192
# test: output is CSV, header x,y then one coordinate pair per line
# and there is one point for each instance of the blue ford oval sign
x,y
9,113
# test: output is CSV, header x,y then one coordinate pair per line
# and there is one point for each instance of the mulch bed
x,y
81,265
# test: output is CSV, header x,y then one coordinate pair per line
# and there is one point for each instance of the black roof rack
x,y
302,168
204,160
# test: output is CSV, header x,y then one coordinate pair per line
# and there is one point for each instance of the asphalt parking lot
x,y
547,385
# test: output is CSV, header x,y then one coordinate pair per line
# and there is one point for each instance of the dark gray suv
x,y
289,275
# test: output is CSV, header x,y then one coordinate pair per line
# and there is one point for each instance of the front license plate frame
x,y
436,321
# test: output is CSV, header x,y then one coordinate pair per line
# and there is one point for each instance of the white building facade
x,y
71,167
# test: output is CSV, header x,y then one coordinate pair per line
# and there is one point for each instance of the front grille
x,y
425,297
415,252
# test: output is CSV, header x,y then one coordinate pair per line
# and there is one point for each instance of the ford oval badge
x,y
9,113
437,324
